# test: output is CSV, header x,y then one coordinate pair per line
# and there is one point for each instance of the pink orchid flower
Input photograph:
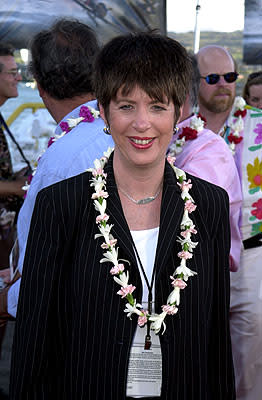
x,y
185,254
124,291
142,319
178,283
117,269
170,310
100,193
101,218
189,206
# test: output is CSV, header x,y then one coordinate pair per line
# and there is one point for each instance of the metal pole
x,y
197,29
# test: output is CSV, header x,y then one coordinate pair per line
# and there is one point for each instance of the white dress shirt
x,y
69,156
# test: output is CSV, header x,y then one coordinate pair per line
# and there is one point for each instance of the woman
x,y
252,91
125,286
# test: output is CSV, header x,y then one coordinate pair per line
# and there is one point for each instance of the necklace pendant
x,y
146,200
148,342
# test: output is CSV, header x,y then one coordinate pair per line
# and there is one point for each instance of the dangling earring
x,y
107,130
175,130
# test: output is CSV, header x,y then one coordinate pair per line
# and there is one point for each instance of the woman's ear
x,y
102,114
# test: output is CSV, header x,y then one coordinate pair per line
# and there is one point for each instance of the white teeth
x,y
142,142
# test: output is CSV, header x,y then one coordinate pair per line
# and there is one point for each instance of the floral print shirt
x,y
249,162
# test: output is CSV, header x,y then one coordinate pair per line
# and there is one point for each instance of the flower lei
x,y
188,133
86,114
120,275
236,123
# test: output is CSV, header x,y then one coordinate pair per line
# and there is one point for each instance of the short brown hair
x,y
157,64
253,79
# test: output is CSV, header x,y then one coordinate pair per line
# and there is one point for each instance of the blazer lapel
x,y
120,228
172,209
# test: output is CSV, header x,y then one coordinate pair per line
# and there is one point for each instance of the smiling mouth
x,y
141,141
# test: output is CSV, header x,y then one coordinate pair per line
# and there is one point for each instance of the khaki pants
x,y
246,324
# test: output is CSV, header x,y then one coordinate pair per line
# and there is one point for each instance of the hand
x,y
18,183
11,188
5,275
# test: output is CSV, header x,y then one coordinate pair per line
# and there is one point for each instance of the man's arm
x,y
12,188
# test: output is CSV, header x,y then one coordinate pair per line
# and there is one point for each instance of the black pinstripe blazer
x,y
72,338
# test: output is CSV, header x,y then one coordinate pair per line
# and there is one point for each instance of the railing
x,y
21,108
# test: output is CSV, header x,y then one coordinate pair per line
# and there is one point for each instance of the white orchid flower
x,y
108,152
94,112
97,164
101,208
72,122
179,173
122,279
197,123
130,310
239,103
185,195
174,296
188,241
238,126
104,232
110,256
232,147
98,183
186,221
183,269
157,322
56,137
177,146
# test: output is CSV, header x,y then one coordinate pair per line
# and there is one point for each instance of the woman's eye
x,y
157,107
126,107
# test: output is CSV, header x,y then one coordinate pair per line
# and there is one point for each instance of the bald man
x,y
216,99
227,116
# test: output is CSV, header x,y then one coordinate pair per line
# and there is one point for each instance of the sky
x,y
214,15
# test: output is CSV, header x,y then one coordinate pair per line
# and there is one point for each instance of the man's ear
x,y
40,90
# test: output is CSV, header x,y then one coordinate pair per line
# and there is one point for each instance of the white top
x,y
146,242
144,377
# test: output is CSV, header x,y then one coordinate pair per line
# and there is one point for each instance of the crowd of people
x,y
140,234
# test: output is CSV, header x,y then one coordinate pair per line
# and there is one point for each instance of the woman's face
x,y
255,96
141,127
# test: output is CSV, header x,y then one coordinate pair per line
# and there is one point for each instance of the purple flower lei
x,y
86,114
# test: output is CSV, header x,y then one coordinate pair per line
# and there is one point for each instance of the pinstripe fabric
x,y
72,337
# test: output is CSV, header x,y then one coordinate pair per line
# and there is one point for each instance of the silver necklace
x,y
146,200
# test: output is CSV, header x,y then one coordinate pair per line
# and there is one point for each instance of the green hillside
x,y
231,40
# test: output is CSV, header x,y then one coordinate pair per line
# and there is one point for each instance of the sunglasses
x,y
212,79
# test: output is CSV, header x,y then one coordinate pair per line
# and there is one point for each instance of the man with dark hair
x,y
62,59
200,152
11,192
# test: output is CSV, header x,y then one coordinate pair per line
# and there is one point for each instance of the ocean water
x,y
31,130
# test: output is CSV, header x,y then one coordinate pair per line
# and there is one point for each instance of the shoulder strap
x,y
2,122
